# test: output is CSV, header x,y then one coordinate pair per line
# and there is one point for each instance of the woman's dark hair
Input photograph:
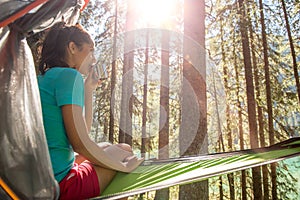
x,y
56,43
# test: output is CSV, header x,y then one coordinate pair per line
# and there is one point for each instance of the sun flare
x,y
155,12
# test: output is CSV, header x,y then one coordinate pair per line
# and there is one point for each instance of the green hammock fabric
x,y
153,175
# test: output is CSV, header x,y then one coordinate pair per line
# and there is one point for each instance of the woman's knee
x,y
125,147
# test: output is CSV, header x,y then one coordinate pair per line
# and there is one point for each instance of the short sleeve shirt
x,y
59,86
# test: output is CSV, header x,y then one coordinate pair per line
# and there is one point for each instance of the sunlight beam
x,y
154,12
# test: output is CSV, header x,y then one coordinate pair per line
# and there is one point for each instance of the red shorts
x,y
80,183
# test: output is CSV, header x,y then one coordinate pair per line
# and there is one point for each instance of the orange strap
x,y
85,4
26,9
20,13
8,190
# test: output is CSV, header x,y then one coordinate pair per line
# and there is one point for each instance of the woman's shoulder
x,y
63,71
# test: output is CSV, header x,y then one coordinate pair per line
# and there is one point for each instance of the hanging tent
x,y
25,168
155,175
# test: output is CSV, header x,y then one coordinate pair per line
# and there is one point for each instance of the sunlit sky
x,y
148,14
154,12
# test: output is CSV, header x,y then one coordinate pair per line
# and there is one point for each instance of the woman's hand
x,y
120,152
133,162
92,80
123,153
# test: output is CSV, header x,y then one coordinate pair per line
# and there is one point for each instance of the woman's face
x,y
84,58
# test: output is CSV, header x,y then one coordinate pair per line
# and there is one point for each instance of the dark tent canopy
x,y
25,167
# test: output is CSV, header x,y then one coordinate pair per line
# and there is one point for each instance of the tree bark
x,y
193,129
240,121
295,67
125,129
113,79
145,96
256,172
260,119
228,113
221,188
269,98
163,143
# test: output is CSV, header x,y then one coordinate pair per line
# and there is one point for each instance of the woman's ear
x,y
72,48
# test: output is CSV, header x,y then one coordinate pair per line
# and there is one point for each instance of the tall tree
x,y
291,42
256,174
194,107
145,95
113,77
164,98
240,121
269,97
145,139
228,113
260,115
125,129
163,140
220,134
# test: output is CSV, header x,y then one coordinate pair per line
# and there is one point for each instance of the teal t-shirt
x,y
59,86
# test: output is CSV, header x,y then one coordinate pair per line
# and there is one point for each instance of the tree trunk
x,y
163,143
113,79
228,113
256,172
221,188
287,24
260,119
125,129
269,97
240,122
193,129
145,95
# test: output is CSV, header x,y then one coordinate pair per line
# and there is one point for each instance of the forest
x,y
187,77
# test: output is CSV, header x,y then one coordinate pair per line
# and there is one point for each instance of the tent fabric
x,y
25,165
154,175
12,10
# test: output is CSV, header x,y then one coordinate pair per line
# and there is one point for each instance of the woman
x,y
66,101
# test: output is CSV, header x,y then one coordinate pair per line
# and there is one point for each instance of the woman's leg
x,y
104,176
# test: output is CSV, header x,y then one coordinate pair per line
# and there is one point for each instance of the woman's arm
x,y
90,84
88,105
78,136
